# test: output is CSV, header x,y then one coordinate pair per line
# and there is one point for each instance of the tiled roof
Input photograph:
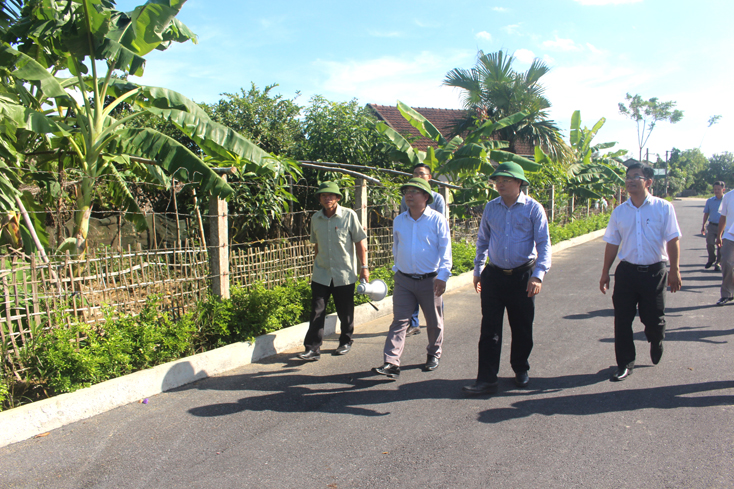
x,y
443,119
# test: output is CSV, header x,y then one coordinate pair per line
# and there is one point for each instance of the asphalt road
x,y
332,424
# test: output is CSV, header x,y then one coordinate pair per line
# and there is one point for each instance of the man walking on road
x,y
336,233
725,241
422,251
644,233
514,234
439,205
711,214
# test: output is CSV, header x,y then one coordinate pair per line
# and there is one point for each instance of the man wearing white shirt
x,y
644,233
725,240
422,251
421,170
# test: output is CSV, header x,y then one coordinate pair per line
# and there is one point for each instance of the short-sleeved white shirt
x,y
643,232
727,209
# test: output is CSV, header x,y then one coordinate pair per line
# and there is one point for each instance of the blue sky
x,y
384,51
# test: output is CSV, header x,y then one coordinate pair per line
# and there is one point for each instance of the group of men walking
x,y
513,254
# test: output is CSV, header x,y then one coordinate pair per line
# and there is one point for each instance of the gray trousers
x,y
714,251
406,295
727,268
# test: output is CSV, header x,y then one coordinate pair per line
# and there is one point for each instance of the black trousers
x,y
500,292
344,302
638,288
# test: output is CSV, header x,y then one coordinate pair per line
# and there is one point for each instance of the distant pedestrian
x,y
336,234
422,252
439,205
644,233
725,241
513,234
711,214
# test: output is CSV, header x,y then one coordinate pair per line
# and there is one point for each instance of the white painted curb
x,y
39,417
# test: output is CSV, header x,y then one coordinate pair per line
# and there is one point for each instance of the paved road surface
x,y
332,424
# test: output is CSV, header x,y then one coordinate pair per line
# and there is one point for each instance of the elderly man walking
x,y
336,234
514,235
644,233
422,251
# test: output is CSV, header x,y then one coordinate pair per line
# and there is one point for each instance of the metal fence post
x,y
553,203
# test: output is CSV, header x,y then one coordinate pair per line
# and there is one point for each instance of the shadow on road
x,y
668,397
352,393
686,333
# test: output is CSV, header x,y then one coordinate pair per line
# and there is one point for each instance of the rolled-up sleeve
x,y
444,250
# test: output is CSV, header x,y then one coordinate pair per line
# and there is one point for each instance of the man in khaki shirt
x,y
339,239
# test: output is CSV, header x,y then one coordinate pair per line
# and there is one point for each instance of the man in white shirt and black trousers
x,y
644,233
422,252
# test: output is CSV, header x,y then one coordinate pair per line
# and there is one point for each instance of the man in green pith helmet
x,y
422,251
339,240
514,235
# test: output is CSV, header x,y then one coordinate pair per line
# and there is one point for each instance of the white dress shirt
x,y
642,233
727,209
422,246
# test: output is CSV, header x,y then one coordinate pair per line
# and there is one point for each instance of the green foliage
x,y
462,255
270,121
578,227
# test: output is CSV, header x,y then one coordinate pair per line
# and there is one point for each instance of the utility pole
x,y
666,173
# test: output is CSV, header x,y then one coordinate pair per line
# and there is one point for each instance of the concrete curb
x,y
39,417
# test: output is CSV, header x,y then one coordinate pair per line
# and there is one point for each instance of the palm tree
x,y
493,91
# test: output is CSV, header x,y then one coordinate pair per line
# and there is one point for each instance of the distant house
x,y
444,119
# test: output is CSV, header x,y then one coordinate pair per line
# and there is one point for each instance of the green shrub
x,y
577,228
462,255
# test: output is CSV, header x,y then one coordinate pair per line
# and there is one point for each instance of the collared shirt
x,y
642,232
335,236
422,245
712,209
727,209
438,204
512,236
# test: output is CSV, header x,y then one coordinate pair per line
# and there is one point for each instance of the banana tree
x,y
591,173
77,38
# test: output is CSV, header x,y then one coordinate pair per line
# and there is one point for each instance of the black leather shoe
x,y
708,265
724,300
413,330
656,352
621,374
343,349
431,363
480,388
522,379
389,370
309,355
717,268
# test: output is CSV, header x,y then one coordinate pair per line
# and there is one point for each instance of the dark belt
x,y
511,271
416,276
644,268
713,223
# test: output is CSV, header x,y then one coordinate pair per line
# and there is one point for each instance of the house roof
x,y
443,119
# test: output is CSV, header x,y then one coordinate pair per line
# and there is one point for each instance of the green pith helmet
x,y
421,184
328,188
510,169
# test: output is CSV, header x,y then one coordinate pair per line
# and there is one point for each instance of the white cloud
x,y
524,55
511,29
594,49
606,2
415,81
500,9
561,44
484,36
